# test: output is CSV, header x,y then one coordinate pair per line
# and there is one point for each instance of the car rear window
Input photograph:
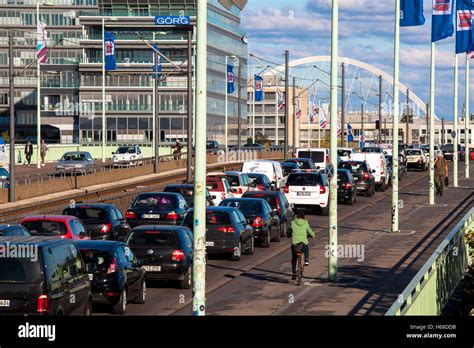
x,y
214,186
46,228
99,259
343,153
271,199
448,147
154,238
14,269
353,167
250,207
217,218
316,156
342,176
88,214
413,152
304,180
233,180
156,201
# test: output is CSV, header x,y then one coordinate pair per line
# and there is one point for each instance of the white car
x,y
377,162
219,189
308,190
271,169
416,158
127,155
319,156
239,182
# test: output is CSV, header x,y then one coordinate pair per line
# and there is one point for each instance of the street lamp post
x,y
11,190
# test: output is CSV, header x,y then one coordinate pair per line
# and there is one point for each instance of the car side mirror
x,y
213,197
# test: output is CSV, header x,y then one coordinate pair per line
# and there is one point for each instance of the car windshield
x,y
154,238
250,207
15,269
371,149
88,214
156,201
46,228
304,180
413,152
448,147
99,260
125,149
74,157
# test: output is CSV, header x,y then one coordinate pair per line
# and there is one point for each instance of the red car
x,y
61,226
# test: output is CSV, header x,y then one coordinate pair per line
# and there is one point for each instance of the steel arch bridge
x,y
313,73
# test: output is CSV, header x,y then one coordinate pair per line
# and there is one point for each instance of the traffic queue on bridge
x,y
113,255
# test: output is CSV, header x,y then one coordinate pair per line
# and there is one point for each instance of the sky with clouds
x,y
365,33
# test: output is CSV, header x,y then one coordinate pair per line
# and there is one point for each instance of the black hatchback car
x,y
303,163
260,182
101,221
13,230
46,278
165,252
227,232
346,187
278,203
259,214
187,191
115,274
362,174
157,208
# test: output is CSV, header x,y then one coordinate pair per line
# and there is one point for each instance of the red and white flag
x,y
298,108
41,48
281,99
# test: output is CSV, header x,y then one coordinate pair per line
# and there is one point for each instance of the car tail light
x,y
278,206
348,186
366,176
178,255
260,187
327,159
106,228
274,177
322,190
239,191
258,222
286,189
172,216
113,266
226,229
130,215
42,304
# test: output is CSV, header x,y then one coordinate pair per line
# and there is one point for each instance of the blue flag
x,y
350,135
464,27
110,59
411,13
230,79
442,23
259,94
156,63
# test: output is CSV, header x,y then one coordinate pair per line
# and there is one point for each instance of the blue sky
x,y
365,33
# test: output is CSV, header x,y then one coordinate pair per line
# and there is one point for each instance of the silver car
x,y
76,162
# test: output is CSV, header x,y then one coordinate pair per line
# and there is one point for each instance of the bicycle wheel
x,y
300,270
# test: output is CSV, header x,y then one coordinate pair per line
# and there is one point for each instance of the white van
x,y
377,162
271,169
320,156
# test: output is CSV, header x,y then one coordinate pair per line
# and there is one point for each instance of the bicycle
x,y
299,248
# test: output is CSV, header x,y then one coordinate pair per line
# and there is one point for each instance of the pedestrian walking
x,y
441,173
28,152
44,148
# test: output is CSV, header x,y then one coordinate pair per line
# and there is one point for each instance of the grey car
x,y
76,162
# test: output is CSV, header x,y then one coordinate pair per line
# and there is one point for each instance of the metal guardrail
x,y
434,284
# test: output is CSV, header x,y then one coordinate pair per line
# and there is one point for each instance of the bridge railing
x,y
434,284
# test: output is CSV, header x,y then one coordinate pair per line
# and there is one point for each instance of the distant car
x,y
255,147
227,232
271,169
376,161
308,190
127,155
75,162
165,252
219,188
237,180
362,174
157,208
115,274
278,203
260,182
303,163
187,191
346,187
13,230
60,226
426,149
288,168
213,147
44,284
4,178
259,214
416,158
102,221
448,152
372,149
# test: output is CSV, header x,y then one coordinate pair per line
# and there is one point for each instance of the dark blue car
x,y
13,230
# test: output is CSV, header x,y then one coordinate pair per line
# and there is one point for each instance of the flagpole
x,y
226,102
154,104
467,119
38,94
253,116
103,90
432,124
276,118
455,118
319,126
396,92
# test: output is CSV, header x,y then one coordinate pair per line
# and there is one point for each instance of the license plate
x,y
152,268
306,194
91,276
210,244
4,303
151,216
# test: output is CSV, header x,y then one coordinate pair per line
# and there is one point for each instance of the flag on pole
x,y
157,67
281,99
110,58
442,23
314,111
298,108
230,79
411,13
259,93
464,27
350,135
323,123
41,48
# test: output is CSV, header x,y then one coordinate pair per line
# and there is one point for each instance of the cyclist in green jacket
x,y
300,230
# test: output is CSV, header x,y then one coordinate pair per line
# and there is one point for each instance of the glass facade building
x,y
72,80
